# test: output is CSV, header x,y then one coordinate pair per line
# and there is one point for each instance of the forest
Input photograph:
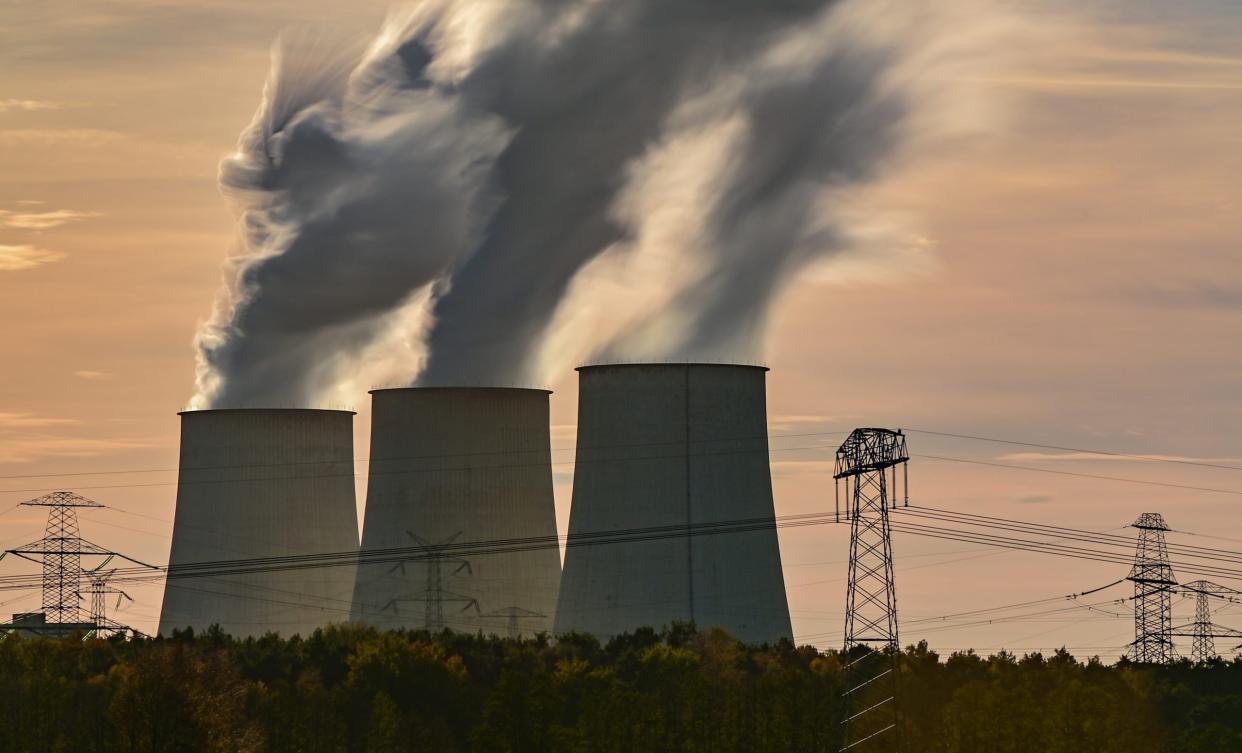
x,y
352,688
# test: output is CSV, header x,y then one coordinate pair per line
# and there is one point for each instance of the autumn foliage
x,y
348,689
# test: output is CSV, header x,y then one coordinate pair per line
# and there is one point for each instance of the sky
x,y
1079,286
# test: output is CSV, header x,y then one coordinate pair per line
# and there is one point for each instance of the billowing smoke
x,y
535,165
360,182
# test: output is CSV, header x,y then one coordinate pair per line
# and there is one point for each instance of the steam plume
x,y
360,182
529,162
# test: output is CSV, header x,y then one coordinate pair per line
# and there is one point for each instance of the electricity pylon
x,y
872,649
98,590
512,615
1153,588
60,552
434,596
1203,631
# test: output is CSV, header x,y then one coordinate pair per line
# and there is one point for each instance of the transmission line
x,y
1098,477
1106,453
1188,548
328,559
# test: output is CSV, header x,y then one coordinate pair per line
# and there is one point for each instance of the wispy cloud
x,y
1062,83
1201,294
795,424
18,258
27,449
42,220
27,437
27,105
1161,56
1035,499
11,421
801,418
798,467
92,375
57,137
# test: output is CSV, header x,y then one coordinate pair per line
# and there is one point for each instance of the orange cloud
x,y
42,220
27,105
18,258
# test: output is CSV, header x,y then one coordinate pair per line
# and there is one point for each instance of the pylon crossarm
x,y
1211,631
514,612
1207,588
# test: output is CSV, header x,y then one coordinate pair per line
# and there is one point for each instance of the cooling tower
x,y
676,447
256,484
454,471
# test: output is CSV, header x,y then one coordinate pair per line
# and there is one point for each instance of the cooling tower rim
x,y
671,364
281,411
459,388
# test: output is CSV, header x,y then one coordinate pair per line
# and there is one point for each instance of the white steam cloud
x,y
501,180
360,182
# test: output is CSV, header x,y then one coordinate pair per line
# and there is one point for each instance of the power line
x,y
1071,534
1022,617
1124,540
342,610
1028,617
254,565
1107,453
1145,482
328,559
1044,547
1018,605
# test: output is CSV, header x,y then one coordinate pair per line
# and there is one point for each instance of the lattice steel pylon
x,y
513,616
1203,631
434,596
60,552
1203,645
98,590
872,650
1153,593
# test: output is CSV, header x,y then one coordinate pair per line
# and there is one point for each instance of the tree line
x,y
349,689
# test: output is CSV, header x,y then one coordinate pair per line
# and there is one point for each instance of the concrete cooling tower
x,y
453,471
672,446
262,483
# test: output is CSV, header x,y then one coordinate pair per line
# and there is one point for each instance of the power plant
x,y
253,484
456,470
673,447
453,469
672,521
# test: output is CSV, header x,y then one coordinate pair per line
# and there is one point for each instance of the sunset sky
x,y
1079,286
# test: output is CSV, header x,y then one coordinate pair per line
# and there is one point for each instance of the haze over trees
x,y
358,689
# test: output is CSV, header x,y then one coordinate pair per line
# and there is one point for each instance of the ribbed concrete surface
x,y
474,463
262,483
679,445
